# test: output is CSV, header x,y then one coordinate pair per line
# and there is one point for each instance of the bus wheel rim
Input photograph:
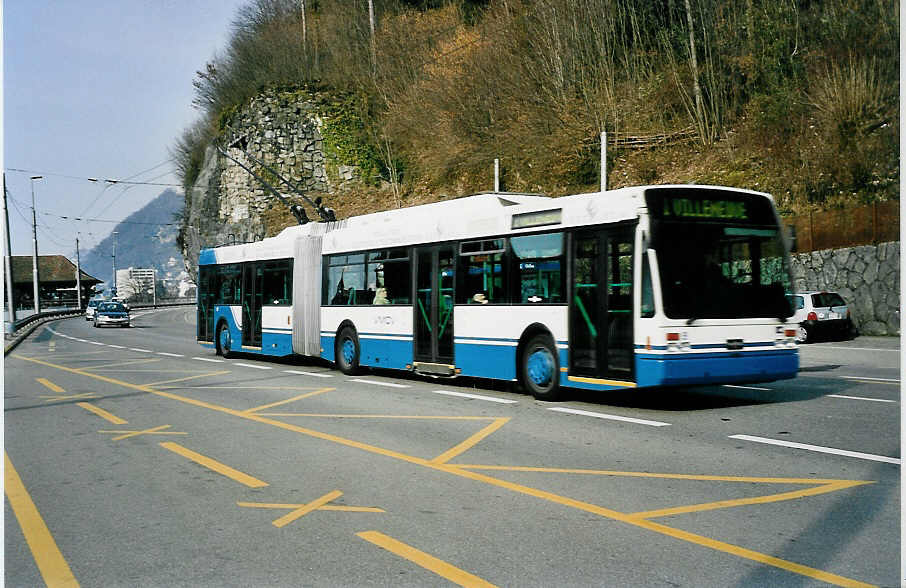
x,y
348,350
224,338
540,367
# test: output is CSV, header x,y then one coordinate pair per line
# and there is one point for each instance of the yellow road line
x,y
822,489
470,442
213,464
124,363
288,400
699,477
464,473
48,384
425,560
376,416
44,550
220,373
102,413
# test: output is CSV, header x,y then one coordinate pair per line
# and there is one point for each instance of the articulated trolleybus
x,y
636,287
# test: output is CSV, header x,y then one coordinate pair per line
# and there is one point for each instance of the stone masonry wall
x,y
868,278
226,204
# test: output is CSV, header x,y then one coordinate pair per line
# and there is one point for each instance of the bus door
x,y
207,296
434,294
252,296
600,311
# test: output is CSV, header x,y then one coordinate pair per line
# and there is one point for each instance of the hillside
x,y
794,97
146,239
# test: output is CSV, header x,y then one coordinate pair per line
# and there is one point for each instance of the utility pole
x,y
78,276
8,266
113,282
603,161
371,24
34,259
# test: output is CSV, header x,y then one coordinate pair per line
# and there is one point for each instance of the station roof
x,y
51,268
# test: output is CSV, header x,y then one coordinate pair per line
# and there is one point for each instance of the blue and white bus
x,y
636,287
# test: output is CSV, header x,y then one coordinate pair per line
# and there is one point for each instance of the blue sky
x,y
97,89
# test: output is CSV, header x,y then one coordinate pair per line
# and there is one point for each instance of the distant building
x,y
56,282
135,282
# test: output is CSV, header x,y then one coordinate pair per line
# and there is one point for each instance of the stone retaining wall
x,y
868,278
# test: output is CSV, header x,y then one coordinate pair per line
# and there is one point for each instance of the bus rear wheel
x,y
346,351
224,341
538,368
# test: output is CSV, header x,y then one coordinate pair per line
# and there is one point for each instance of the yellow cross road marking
x,y
154,431
462,472
300,510
300,397
427,561
205,375
51,563
103,413
213,464
69,397
48,384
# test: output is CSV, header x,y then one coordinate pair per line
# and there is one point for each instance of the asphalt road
x,y
136,458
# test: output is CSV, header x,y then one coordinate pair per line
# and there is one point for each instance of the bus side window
x,y
647,310
537,268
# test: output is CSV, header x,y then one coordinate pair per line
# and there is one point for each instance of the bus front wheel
x,y
538,368
347,351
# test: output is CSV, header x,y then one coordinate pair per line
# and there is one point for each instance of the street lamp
x,y
34,231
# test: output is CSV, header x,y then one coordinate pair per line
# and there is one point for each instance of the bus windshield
x,y
720,254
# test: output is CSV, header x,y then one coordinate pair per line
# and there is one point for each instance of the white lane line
x,y
116,346
387,384
611,417
169,354
475,396
208,359
141,350
860,398
747,387
253,366
300,373
95,343
818,449
871,379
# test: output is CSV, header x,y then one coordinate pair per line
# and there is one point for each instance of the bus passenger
x,y
380,296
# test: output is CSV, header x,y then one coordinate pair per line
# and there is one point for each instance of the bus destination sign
x,y
681,204
715,209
